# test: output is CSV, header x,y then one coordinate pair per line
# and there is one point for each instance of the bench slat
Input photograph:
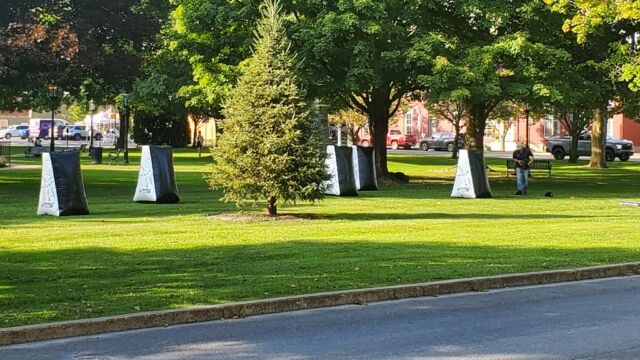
x,y
536,165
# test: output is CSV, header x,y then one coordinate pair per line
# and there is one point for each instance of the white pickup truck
x,y
616,148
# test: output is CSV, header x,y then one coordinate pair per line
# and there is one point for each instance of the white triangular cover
x,y
146,189
48,203
332,185
463,185
356,166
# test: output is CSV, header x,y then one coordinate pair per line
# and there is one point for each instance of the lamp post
x,y
92,108
53,93
125,139
527,112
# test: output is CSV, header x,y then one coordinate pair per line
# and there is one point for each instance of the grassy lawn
x,y
128,257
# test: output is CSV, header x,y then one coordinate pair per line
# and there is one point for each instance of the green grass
x,y
127,257
185,159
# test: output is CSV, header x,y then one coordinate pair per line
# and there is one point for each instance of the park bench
x,y
37,151
536,165
114,157
32,151
82,148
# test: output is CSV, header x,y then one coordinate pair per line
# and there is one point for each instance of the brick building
x,y
416,119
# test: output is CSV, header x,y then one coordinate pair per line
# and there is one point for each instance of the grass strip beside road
x,y
128,257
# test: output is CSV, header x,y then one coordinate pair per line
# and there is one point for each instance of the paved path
x,y
587,320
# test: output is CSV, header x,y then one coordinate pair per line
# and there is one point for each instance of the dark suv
x,y
442,141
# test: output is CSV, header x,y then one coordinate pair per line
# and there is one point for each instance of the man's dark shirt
x,y
522,154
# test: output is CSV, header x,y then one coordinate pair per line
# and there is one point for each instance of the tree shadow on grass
x,y
448,216
42,285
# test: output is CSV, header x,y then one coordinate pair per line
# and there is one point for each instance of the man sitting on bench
x,y
523,158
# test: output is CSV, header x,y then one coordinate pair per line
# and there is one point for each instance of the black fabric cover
x,y
366,168
72,199
164,175
344,164
479,174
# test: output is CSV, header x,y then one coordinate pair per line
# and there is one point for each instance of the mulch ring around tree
x,y
261,217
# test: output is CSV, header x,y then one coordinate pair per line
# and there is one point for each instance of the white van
x,y
42,128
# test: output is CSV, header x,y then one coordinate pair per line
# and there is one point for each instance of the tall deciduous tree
x,y
362,54
607,54
73,42
494,55
353,53
271,147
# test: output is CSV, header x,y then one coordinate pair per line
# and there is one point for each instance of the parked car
x,y
442,141
20,131
42,128
560,147
395,140
78,132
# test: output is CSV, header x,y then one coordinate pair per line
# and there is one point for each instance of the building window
x,y
408,122
433,125
551,126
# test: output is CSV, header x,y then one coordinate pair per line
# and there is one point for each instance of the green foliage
x,y
363,55
506,57
355,120
161,129
270,147
215,36
588,17
74,42
164,74
77,112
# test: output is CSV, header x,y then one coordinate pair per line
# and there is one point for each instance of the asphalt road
x,y
586,320
495,154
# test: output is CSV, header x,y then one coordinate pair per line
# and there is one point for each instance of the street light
x,y
125,102
53,93
92,108
527,112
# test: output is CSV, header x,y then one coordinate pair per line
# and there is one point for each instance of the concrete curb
x,y
58,330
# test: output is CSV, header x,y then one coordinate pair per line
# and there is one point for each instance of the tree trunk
x,y
215,132
475,129
379,126
456,127
573,149
272,208
353,134
598,137
195,131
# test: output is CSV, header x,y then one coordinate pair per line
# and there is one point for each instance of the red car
x,y
395,140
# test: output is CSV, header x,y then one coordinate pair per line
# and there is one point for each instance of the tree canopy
x,y
88,47
586,17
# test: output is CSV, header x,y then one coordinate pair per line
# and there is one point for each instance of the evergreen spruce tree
x,y
270,149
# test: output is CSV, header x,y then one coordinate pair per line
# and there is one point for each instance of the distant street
x,y
488,154
494,154
585,320
64,143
